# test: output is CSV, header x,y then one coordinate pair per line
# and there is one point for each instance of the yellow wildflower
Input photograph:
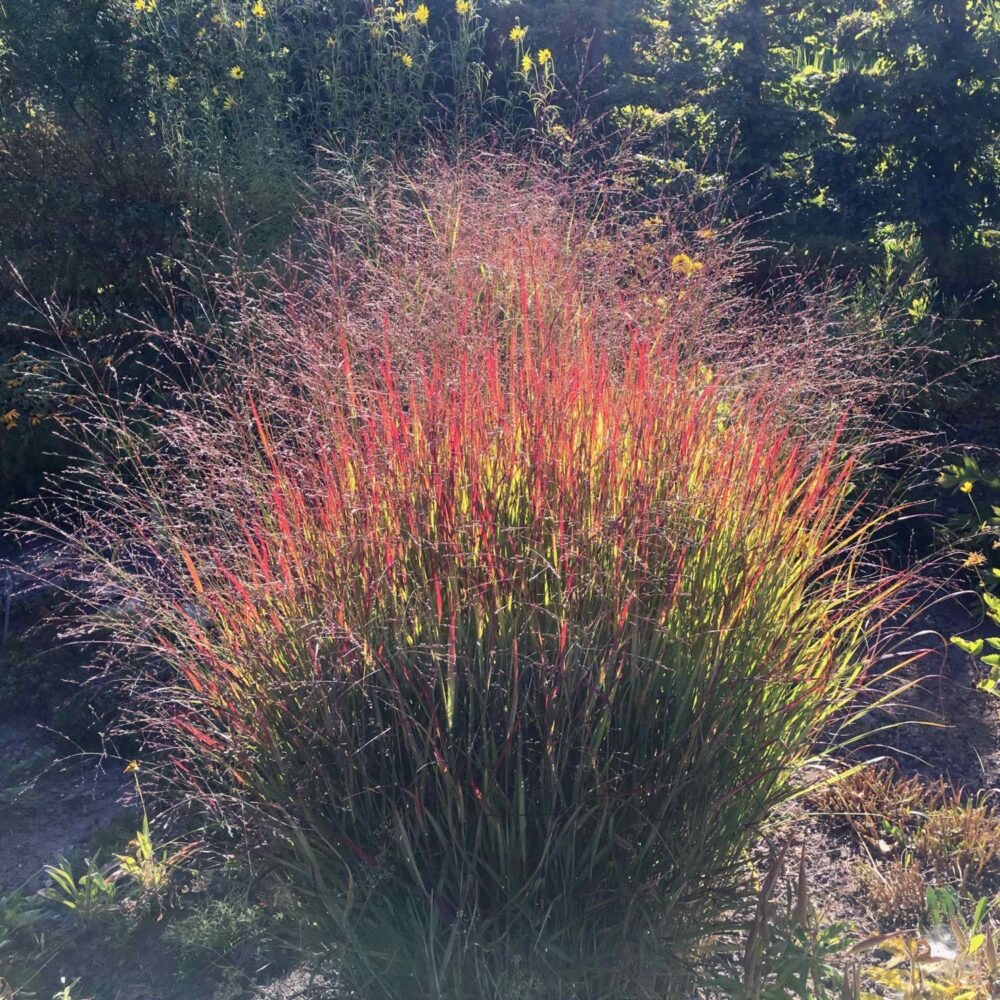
x,y
706,234
238,24
463,7
140,5
229,103
10,418
258,9
400,17
681,263
544,57
974,559
236,72
517,33
527,63
422,14
966,486
172,82
133,767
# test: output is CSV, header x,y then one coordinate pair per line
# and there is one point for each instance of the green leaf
x,y
973,648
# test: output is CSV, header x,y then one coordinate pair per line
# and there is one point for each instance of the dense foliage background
x,y
861,136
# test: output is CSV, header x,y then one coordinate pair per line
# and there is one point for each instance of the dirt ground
x,y
942,727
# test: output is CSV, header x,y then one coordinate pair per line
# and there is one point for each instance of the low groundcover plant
x,y
502,665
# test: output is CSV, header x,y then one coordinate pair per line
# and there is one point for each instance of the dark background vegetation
x,y
861,136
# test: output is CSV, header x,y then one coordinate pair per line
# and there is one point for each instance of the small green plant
x,y
981,488
66,993
21,934
954,958
214,928
147,870
790,949
91,896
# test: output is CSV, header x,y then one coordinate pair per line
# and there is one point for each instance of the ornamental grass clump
x,y
500,657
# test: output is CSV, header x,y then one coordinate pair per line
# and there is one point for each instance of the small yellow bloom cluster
x,y
681,263
173,82
463,7
527,63
974,559
517,33
144,5
966,486
258,9
422,14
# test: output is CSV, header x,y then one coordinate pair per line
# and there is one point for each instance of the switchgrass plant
x,y
491,587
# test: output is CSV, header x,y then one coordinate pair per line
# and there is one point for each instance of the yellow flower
x,y
140,5
422,14
463,7
238,24
172,82
133,766
236,72
681,263
706,234
258,9
10,418
229,103
527,63
966,486
974,559
400,17
544,56
517,33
